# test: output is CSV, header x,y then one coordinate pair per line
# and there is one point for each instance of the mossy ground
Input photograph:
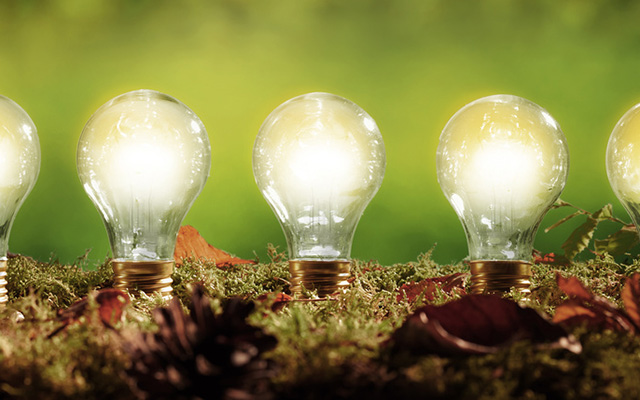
x,y
327,349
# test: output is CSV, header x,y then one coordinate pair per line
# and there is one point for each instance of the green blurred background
x,y
410,63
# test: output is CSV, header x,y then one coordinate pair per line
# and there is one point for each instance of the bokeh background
x,y
410,63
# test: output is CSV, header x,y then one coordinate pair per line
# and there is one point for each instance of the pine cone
x,y
202,355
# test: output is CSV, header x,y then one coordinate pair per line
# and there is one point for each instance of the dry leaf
x,y
477,324
585,308
191,245
574,313
631,298
549,258
111,303
427,289
279,300
540,258
574,288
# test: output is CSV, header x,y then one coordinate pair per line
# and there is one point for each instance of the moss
x,y
59,284
327,349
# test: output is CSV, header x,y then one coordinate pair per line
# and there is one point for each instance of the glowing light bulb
x,y
143,158
623,162
19,167
318,160
502,161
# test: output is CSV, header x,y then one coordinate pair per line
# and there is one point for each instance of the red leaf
x,y
427,289
574,288
191,244
477,324
631,298
585,308
111,303
279,300
574,313
539,258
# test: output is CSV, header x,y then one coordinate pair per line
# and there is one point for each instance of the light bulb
x,y
502,162
623,162
19,167
318,160
143,158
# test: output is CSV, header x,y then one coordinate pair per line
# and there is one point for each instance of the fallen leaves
x,y
585,308
477,324
631,298
428,289
549,258
277,300
110,305
191,245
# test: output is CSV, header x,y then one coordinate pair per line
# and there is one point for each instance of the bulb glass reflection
x,y
19,168
19,164
318,160
623,162
502,161
143,158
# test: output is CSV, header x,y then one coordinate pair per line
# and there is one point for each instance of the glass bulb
x,y
19,167
318,160
623,162
502,162
143,158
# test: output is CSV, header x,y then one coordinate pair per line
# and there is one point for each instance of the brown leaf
x,y
427,289
574,288
585,308
549,258
111,302
631,298
191,244
574,313
477,324
279,300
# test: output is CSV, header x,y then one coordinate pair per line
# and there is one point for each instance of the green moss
x,y
327,349
59,284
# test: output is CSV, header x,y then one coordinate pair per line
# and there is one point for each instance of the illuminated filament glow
x,y
318,160
143,159
19,164
502,161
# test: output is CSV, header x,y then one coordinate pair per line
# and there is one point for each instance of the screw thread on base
x,y
498,277
149,277
4,293
326,277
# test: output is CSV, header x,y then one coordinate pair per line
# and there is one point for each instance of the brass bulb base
x,y
4,293
498,277
326,277
149,277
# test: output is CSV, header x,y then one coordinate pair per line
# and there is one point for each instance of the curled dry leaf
x,y
427,289
111,303
191,244
279,300
477,324
585,308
